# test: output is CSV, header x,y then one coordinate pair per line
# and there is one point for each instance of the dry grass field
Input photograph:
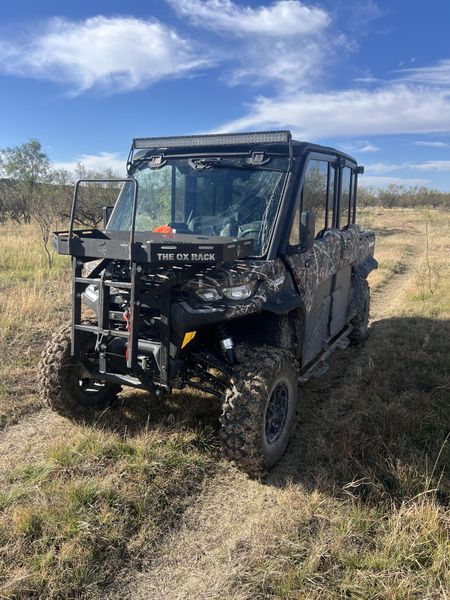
x,y
137,502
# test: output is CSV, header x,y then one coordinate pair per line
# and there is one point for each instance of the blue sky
x,y
370,77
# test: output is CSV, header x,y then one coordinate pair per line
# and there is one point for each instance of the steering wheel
x,y
249,231
180,227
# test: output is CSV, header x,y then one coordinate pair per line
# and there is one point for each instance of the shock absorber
x,y
226,344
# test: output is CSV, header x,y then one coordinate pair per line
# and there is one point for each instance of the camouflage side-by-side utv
x,y
230,263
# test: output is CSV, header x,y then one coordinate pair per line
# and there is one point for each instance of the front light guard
x,y
239,292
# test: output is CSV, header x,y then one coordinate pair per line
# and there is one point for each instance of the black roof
x,y
301,147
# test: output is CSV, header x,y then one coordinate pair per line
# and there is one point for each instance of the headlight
x,y
240,292
208,294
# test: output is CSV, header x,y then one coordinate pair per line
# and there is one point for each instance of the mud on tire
x,y
60,379
360,322
259,408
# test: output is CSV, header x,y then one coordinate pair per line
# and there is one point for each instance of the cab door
x,y
315,265
344,216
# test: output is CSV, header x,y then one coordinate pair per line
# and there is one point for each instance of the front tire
x,y
259,408
64,384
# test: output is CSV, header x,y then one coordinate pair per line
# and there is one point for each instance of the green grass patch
x,y
70,521
355,552
34,300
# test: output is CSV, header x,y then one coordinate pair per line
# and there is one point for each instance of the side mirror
x,y
307,229
107,211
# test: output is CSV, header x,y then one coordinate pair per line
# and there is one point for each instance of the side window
x,y
354,195
317,195
346,193
294,236
332,172
314,193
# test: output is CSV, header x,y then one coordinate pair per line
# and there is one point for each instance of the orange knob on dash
x,y
163,229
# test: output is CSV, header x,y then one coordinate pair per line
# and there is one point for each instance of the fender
x,y
286,300
364,269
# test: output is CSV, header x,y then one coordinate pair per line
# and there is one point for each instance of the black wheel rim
x,y
276,413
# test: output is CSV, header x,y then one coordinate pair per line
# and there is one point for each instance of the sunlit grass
x,y
34,300
22,256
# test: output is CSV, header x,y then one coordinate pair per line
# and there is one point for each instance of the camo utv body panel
x,y
327,275
327,256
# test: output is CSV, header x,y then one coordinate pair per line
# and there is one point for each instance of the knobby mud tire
x,y
58,378
245,402
360,322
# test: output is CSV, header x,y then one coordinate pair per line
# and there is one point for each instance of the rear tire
x,y
360,323
63,382
259,408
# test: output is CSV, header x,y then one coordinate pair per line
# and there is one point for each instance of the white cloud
x,y
368,147
281,19
359,146
116,53
391,109
361,14
432,144
382,181
288,64
433,165
438,74
367,79
96,162
383,167
428,165
284,43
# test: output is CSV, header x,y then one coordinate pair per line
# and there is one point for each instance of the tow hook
x,y
227,345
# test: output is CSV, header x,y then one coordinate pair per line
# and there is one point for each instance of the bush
x,y
399,196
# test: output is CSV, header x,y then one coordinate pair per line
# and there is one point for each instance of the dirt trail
x,y
388,298
199,559
30,437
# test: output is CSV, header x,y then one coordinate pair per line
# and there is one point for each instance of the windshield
x,y
205,197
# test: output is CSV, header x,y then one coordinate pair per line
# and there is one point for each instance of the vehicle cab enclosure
x,y
217,241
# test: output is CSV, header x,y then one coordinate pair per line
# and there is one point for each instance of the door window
x,y
317,195
332,178
315,191
346,194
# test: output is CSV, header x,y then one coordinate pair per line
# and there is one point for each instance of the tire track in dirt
x,y
198,560
203,557
30,437
388,298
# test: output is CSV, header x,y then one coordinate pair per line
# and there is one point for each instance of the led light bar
x,y
219,139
